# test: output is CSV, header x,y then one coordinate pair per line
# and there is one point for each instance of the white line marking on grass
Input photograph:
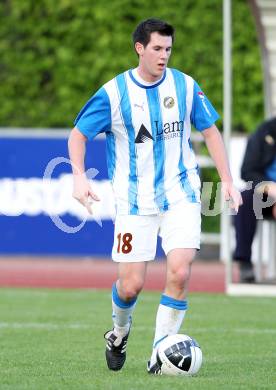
x,y
77,326
40,325
235,330
256,331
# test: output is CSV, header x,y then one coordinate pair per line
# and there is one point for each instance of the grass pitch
x,y
53,339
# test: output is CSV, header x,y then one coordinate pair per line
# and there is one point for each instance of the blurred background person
x,y
259,165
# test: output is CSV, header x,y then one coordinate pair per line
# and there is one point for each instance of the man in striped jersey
x,y
146,114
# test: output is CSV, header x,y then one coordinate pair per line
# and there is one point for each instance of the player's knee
x,y
180,276
131,288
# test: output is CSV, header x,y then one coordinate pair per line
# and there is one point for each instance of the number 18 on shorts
x,y
135,236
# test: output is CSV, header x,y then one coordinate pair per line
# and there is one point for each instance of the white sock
x,y
169,318
121,313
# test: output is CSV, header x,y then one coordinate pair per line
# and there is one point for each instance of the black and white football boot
x,y
155,368
115,352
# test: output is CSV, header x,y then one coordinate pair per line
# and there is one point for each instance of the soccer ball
x,y
179,354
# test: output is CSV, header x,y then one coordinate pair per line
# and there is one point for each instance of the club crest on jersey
x,y
168,102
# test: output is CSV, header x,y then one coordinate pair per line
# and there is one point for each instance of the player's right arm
x,y
93,119
82,190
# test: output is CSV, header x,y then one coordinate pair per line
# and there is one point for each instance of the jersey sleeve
x,y
203,114
95,116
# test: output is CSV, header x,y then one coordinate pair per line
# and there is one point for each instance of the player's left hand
x,y
232,195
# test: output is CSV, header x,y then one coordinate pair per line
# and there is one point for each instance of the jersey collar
x,y
146,86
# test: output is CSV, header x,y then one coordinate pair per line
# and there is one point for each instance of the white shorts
x,y
135,236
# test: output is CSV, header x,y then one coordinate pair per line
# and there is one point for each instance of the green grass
x,y
53,339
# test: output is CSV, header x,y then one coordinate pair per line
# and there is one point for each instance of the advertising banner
x,y
38,214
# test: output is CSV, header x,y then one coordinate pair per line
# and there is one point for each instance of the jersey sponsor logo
x,y
168,102
143,135
168,130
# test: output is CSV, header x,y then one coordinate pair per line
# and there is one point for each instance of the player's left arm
x,y
216,148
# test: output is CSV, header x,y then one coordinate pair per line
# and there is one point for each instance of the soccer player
x,y
146,114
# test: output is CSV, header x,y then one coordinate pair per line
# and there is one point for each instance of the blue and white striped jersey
x,y
150,159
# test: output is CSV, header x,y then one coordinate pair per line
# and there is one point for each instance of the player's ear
x,y
139,48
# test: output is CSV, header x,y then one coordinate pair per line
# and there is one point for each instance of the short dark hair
x,y
144,29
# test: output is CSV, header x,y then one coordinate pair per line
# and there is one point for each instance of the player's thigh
x,y
135,238
181,227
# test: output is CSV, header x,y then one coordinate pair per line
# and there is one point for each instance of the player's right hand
x,y
83,192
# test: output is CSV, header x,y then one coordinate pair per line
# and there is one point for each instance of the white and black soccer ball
x,y
179,354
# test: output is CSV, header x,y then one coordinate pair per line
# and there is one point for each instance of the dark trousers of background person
x,y
245,224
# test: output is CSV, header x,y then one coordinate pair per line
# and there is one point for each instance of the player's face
x,y
154,57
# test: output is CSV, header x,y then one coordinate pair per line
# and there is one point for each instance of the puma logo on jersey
x,y
143,135
139,106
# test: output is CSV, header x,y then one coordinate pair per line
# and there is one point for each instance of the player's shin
x,y
169,318
121,313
